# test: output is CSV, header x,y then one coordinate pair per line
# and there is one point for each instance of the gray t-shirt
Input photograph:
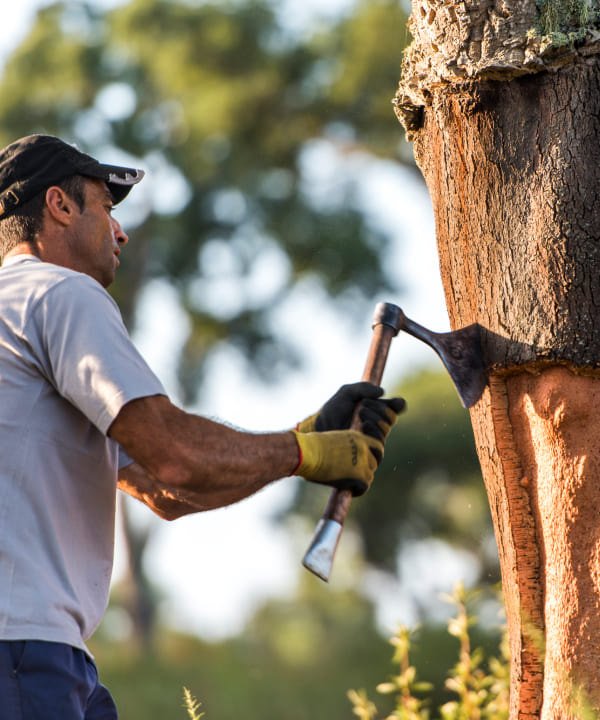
x,y
67,366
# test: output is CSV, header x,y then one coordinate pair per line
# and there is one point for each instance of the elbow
x,y
166,508
170,504
168,512
164,513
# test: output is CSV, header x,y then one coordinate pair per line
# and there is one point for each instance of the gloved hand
x,y
343,459
377,415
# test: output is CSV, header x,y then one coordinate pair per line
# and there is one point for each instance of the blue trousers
x,y
50,681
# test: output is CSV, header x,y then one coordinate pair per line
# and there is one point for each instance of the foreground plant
x,y
481,687
191,705
482,692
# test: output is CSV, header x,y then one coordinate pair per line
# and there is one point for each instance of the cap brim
x,y
34,163
119,179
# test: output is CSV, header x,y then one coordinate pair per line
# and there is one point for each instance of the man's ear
x,y
60,206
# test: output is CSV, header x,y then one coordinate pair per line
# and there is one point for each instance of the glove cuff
x,y
297,434
308,424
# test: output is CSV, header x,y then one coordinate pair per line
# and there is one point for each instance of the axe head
x,y
460,352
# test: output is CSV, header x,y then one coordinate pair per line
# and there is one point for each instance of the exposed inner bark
x,y
514,523
555,422
513,169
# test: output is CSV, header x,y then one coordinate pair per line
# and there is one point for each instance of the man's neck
x,y
25,248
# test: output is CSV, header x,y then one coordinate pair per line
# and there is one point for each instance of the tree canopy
x,y
221,103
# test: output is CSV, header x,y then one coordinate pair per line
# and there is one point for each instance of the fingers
x,y
397,404
361,391
381,406
370,455
378,416
377,452
375,448
375,431
337,412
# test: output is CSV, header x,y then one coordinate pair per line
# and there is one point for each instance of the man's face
x,y
96,239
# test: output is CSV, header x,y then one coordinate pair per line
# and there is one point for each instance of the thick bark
x,y
513,168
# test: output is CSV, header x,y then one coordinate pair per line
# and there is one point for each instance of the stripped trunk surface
x,y
513,169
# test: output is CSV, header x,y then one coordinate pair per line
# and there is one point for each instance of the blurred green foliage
x,y
479,682
296,660
221,101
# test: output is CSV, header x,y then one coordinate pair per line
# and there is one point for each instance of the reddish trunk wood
x,y
513,168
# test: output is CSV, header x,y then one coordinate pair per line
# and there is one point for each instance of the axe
x,y
460,351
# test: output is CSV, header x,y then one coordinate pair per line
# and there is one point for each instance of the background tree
x,y
220,103
502,102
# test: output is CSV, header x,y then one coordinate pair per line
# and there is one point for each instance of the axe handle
x,y
339,500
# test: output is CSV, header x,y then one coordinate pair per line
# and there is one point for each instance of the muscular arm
x,y
186,463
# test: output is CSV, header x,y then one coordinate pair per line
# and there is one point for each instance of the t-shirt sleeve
x,y
89,356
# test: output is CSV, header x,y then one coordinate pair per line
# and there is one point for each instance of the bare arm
x,y
186,463
170,503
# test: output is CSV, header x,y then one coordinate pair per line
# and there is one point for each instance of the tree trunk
x,y
505,127
137,596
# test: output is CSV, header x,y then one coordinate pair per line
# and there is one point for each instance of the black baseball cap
x,y
36,162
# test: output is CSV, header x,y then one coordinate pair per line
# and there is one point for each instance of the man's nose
x,y
120,234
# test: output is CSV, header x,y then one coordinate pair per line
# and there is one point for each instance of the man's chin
x,y
105,278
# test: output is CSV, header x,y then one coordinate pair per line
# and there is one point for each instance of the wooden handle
x,y
339,500
387,322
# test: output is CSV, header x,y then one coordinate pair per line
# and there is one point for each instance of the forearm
x,y
190,463
172,503
203,462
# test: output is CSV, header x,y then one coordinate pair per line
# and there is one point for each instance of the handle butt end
x,y
320,554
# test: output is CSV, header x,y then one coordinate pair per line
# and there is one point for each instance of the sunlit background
x,y
213,572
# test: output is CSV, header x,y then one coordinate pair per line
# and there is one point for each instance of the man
x,y
81,413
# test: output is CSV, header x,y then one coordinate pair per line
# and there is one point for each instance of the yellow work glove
x,y
308,424
343,459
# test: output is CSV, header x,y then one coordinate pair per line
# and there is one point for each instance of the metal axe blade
x,y
460,351
319,556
